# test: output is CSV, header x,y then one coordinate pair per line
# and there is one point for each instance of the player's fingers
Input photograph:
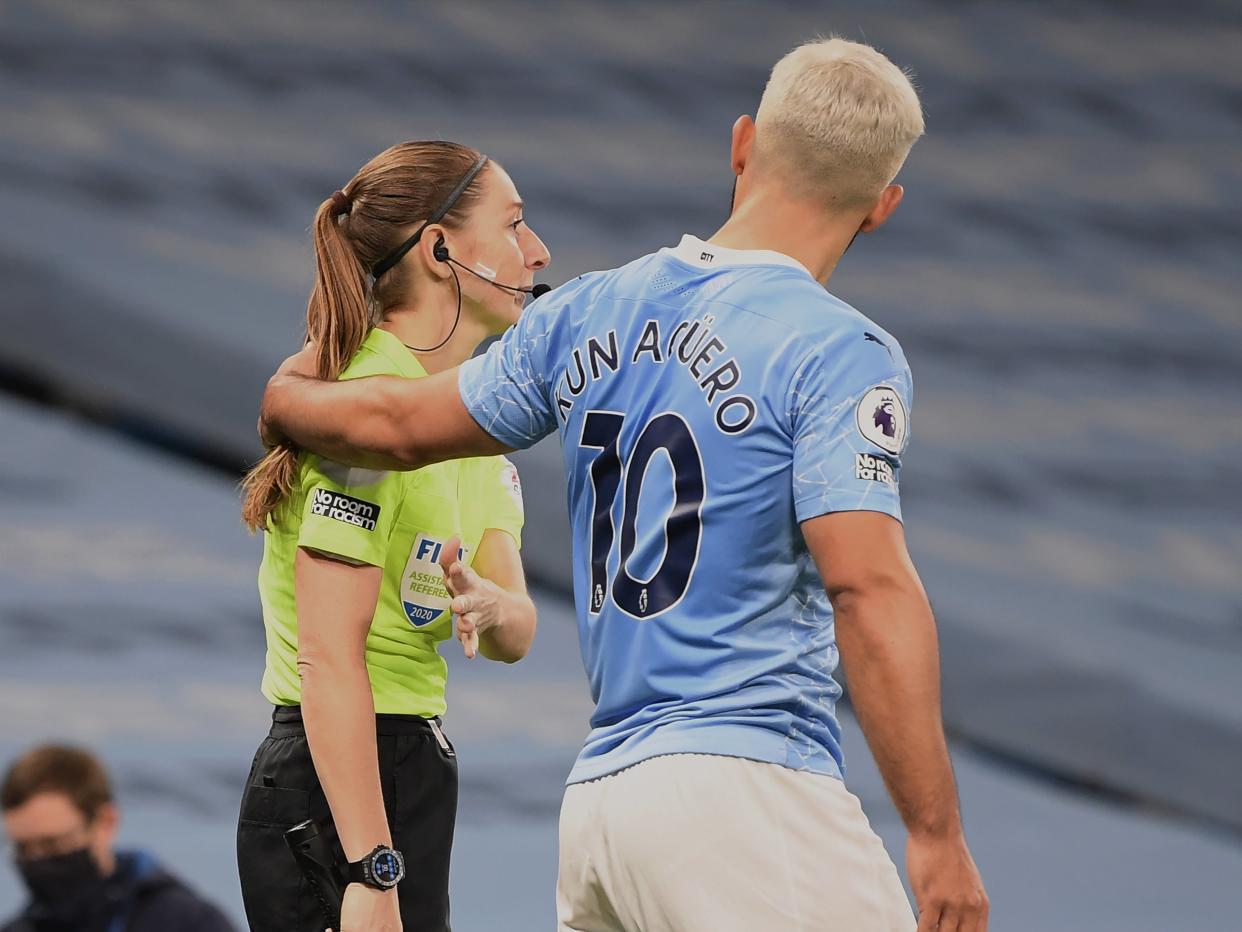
x,y
950,920
976,918
303,362
464,577
929,918
448,555
457,576
470,642
463,604
468,634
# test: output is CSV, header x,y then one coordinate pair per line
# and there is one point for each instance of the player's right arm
x,y
491,404
888,644
383,422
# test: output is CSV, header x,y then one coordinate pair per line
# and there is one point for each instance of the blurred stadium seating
x,y
1062,277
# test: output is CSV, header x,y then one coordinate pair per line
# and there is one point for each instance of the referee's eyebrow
x,y
518,204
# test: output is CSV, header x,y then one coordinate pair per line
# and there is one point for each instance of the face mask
x,y
66,885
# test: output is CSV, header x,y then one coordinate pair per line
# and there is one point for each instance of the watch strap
x,y
361,871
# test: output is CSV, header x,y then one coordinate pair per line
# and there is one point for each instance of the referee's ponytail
x,y
353,230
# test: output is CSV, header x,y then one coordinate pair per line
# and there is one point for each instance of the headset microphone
x,y
441,253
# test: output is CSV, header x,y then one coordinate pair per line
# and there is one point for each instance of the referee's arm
x,y
887,638
384,422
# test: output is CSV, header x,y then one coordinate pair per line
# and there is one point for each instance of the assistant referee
x,y
363,571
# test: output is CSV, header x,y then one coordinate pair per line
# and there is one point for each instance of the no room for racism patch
x,y
345,508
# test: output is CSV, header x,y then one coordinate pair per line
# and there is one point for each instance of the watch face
x,y
386,868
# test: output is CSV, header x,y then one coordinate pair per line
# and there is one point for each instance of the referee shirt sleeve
x,y
503,498
506,390
349,512
850,429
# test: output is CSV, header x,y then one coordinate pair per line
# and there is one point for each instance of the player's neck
x,y
792,229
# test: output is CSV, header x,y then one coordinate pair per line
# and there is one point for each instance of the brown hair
x,y
55,768
354,229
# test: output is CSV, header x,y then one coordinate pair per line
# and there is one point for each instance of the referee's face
x,y
501,246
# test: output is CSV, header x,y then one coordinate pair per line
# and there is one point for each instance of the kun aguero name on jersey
x,y
690,344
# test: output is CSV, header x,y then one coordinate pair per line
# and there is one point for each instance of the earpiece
x,y
440,252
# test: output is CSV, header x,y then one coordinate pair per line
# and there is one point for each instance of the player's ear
x,y
889,198
743,140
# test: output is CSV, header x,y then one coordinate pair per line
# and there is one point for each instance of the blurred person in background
x,y
61,820
717,384
363,571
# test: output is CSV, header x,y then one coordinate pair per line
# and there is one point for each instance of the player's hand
x,y
365,909
476,601
303,363
946,883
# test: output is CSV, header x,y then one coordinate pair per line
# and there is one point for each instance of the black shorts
x,y
419,778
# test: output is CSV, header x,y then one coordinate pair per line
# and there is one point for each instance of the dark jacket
x,y
140,896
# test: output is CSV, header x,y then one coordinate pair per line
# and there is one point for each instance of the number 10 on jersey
x,y
683,526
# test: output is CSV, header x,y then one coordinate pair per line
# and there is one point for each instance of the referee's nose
x,y
534,253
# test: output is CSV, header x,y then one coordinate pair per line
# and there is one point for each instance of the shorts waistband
x,y
287,722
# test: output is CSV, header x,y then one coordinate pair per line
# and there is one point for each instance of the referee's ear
x,y
890,197
433,237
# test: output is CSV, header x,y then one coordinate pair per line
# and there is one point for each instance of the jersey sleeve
x,y
503,498
350,512
506,390
850,429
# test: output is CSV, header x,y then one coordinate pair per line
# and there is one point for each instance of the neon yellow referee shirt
x,y
395,520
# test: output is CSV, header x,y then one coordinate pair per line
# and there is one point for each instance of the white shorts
x,y
702,843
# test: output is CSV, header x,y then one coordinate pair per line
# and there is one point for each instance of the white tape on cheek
x,y
485,271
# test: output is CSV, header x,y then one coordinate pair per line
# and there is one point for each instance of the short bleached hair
x,y
836,122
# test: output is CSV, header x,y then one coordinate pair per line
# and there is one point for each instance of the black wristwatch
x,y
383,869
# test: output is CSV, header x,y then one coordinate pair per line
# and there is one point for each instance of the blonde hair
x,y
836,121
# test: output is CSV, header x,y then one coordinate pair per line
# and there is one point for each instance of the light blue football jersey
x,y
708,400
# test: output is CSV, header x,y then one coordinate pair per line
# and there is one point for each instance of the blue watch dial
x,y
386,868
